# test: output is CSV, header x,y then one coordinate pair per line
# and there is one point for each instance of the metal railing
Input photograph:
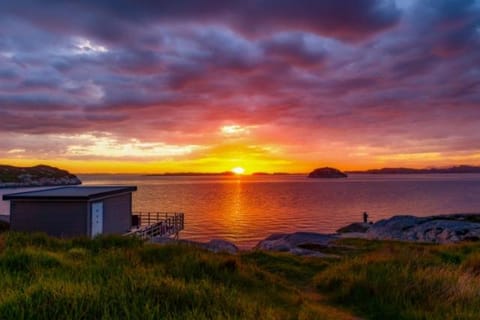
x,y
158,224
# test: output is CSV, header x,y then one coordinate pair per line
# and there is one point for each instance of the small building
x,y
73,211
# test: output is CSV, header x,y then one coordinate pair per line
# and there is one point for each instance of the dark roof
x,y
71,193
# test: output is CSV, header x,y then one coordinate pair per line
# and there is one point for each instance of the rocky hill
x,y
37,176
327,173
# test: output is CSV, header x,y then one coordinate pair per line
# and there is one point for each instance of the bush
x,y
4,226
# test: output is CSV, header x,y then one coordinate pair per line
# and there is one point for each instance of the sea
x,y
246,209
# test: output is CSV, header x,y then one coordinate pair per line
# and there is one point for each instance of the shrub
x,y
4,226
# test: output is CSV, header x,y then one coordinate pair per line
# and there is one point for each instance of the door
x,y
97,218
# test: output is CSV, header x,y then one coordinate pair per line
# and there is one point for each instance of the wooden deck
x,y
158,224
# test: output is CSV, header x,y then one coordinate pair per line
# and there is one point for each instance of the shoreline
x,y
435,229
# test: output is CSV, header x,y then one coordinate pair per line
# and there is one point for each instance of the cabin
x,y
73,211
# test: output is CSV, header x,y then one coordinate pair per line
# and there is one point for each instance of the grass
x,y
123,278
394,280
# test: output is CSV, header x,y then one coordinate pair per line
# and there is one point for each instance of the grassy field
x,y
120,278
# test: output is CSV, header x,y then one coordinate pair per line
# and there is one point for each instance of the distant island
x,y
189,174
225,173
37,176
327,173
330,172
272,174
454,169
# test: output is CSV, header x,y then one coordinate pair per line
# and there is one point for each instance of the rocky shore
x,y
438,229
38,176
434,229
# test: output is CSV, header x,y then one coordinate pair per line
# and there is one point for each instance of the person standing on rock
x,y
365,217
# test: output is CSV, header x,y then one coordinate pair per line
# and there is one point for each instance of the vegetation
x,y
123,278
4,226
393,280
28,175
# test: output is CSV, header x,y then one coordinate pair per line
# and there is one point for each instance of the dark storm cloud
x,y
371,71
117,20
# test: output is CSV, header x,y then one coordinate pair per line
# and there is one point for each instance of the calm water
x,y
247,209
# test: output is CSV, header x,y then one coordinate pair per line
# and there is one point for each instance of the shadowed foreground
x,y
113,277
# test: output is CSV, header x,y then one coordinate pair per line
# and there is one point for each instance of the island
x,y
273,174
191,174
327,173
37,176
454,169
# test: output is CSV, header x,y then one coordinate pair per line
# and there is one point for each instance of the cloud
x,y
115,21
302,76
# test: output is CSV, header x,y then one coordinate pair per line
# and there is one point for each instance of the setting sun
x,y
238,170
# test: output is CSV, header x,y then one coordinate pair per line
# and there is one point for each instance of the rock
x,y
37,176
357,227
292,242
327,173
275,242
218,245
434,229
215,245
353,235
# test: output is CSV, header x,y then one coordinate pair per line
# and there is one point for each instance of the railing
x,y
158,224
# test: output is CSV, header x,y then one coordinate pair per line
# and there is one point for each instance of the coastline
x,y
435,229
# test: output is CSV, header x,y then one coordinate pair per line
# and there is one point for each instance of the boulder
x,y
327,173
295,243
434,229
215,245
218,245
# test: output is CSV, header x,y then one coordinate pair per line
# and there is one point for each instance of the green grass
x,y
123,278
393,280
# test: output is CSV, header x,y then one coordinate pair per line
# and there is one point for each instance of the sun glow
x,y
238,170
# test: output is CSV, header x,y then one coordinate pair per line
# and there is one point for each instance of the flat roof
x,y
70,193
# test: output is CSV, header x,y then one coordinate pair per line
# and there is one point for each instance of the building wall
x,y
117,214
71,218
61,219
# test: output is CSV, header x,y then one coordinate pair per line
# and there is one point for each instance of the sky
x,y
266,85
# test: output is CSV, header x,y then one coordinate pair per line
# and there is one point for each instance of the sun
x,y
238,170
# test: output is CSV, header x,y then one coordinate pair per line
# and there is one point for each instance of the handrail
x,y
158,224
150,217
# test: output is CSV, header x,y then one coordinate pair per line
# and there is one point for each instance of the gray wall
x,y
71,218
117,214
61,219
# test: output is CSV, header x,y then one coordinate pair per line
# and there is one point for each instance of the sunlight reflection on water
x,y
247,209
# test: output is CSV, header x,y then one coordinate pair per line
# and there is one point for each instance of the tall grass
x,y
407,281
124,278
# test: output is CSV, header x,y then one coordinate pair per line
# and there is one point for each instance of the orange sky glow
x,y
232,146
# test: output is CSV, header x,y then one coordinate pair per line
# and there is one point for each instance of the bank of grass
x,y
393,280
120,278
123,278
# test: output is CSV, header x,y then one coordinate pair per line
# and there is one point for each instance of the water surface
x,y
247,209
